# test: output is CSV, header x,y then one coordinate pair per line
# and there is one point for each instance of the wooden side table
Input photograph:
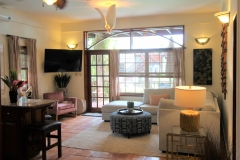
x,y
180,140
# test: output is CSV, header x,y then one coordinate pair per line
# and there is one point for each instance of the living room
x,y
50,34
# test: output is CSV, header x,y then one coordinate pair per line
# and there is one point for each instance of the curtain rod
x,y
8,35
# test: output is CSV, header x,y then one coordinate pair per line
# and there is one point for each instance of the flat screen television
x,y
62,60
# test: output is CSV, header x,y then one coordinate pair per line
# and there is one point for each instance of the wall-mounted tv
x,y
62,60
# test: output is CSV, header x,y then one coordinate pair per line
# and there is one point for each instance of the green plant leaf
x,y
62,80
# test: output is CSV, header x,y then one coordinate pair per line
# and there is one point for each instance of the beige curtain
x,y
14,54
32,66
114,75
179,69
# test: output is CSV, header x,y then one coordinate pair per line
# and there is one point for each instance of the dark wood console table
x,y
15,116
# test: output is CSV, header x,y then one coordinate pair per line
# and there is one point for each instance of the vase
x,y
13,95
64,90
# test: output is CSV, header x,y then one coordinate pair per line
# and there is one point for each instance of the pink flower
x,y
17,84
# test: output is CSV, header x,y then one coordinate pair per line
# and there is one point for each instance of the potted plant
x,y
13,85
214,148
62,81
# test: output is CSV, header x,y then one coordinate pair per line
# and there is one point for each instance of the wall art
x,y
202,66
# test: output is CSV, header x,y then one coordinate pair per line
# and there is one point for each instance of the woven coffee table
x,y
137,122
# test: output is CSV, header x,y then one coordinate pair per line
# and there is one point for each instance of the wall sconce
x,y
202,40
50,2
223,16
72,46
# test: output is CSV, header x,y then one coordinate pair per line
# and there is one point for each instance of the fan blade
x,y
61,3
102,16
111,16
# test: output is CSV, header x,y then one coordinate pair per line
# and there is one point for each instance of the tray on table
x,y
133,112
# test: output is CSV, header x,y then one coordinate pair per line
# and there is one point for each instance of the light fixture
x,y
72,46
110,19
190,97
50,2
202,40
223,16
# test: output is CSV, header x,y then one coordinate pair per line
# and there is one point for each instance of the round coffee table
x,y
130,123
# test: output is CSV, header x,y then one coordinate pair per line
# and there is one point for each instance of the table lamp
x,y
190,97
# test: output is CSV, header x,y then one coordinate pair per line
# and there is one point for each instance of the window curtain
x,y
32,66
14,54
179,67
114,75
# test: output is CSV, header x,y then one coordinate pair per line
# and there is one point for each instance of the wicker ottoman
x,y
130,124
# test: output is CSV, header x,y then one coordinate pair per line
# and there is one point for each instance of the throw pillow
x,y
154,99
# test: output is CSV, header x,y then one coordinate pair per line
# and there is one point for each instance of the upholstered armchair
x,y
63,105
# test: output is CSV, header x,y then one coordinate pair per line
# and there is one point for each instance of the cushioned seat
x,y
63,105
36,134
113,106
149,108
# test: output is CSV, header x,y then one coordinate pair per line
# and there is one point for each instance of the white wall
x,y
47,34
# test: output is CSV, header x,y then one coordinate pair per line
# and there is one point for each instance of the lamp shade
x,y
202,40
72,46
190,96
223,16
50,2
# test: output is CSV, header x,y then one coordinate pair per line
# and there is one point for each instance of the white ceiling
x,y
79,10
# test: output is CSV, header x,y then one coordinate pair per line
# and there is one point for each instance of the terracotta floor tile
x,y
99,154
119,156
70,150
85,152
135,157
73,157
154,158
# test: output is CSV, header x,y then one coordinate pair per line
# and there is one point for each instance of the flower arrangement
x,y
12,82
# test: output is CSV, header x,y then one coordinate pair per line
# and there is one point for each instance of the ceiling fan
x,y
59,3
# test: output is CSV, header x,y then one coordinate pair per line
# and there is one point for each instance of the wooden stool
x,y
43,131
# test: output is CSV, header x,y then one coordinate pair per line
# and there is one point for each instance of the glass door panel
x,y
99,80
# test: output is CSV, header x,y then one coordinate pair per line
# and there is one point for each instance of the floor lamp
x,y
190,97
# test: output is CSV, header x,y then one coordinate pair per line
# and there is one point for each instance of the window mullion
x,y
146,69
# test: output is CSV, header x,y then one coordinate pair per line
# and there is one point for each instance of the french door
x,y
98,79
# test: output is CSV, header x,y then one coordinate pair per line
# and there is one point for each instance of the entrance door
x,y
98,63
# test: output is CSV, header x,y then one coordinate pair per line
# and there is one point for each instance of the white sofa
x,y
169,115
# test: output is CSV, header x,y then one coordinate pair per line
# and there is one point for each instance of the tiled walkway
x,y
72,126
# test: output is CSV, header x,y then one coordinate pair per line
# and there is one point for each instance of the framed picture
x,y
2,67
202,66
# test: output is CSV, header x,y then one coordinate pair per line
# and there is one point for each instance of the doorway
x,y
98,79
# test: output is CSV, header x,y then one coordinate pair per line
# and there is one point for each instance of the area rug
x,y
92,114
101,138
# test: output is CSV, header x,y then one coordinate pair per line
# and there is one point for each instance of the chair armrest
x,y
53,108
72,99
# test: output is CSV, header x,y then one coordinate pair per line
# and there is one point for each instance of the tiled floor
x,y
72,126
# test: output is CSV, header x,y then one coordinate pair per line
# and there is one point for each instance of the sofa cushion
x,y
62,106
150,108
115,105
169,91
210,104
154,99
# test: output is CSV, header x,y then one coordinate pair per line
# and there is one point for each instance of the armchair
x,y
64,105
